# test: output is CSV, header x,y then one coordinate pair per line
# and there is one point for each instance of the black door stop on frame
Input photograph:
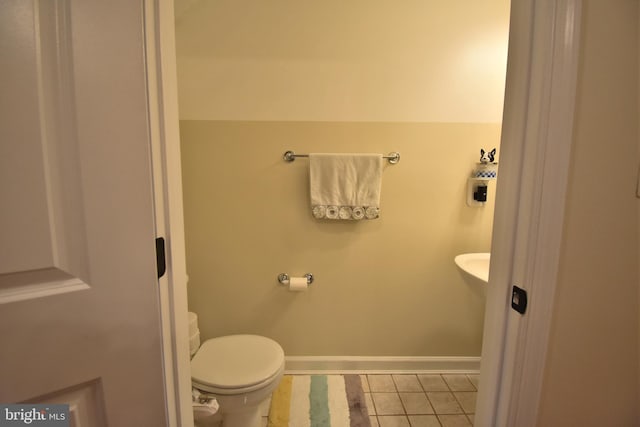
x,y
519,299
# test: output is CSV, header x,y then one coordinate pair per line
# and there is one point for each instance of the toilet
x,y
240,372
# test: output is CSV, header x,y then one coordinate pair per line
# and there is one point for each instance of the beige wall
x,y
383,287
333,60
591,377
424,78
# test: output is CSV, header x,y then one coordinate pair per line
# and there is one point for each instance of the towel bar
x,y
290,156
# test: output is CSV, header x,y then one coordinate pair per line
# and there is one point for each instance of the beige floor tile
x,y
467,399
394,421
475,380
369,402
459,383
454,421
444,403
407,382
424,421
416,403
433,383
365,383
374,421
388,403
381,383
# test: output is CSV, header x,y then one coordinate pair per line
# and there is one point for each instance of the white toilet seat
x,y
236,364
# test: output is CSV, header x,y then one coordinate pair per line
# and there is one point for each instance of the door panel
x,y
79,311
86,404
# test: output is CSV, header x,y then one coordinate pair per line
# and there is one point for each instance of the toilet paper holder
x,y
283,278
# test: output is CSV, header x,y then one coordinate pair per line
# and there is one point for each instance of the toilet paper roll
x,y
298,284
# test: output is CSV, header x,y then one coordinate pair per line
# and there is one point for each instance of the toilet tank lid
x,y
236,361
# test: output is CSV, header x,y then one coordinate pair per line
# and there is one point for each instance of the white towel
x,y
345,186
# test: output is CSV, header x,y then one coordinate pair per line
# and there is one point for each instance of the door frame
x,y
537,134
162,96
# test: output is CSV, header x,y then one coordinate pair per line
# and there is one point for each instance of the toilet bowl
x,y
240,372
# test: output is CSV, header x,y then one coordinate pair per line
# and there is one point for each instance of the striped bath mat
x,y
319,401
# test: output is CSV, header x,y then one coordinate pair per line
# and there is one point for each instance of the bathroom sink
x,y
475,267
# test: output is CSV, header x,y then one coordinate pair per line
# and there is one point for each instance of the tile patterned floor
x,y
418,400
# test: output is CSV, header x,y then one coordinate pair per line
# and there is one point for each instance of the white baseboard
x,y
380,364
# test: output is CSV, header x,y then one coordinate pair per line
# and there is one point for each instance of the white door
x,y
79,312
